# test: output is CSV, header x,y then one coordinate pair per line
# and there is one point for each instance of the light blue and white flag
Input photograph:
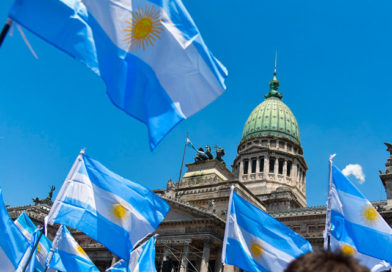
x,y
141,259
27,227
357,228
13,244
114,211
68,255
149,53
256,242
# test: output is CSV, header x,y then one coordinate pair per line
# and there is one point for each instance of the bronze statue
x,y
208,152
220,152
389,147
200,155
47,200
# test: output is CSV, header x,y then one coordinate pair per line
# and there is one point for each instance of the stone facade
x,y
269,171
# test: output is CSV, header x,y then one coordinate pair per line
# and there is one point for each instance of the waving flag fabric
x,y
150,54
68,255
27,227
111,209
256,242
141,259
356,226
13,244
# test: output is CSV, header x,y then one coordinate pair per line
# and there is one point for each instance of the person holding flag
x,y
255,241
354,226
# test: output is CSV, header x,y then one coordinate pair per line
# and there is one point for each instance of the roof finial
x,y
276,61
274,83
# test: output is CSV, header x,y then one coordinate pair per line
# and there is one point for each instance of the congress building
x,y
269,171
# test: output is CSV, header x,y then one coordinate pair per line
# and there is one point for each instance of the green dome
x,y
272,118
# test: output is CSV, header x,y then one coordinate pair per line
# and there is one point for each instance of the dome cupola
x,y
272,117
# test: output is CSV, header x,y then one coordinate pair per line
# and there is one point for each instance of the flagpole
x,y
328,215
183,156
5,30
32,251
64,187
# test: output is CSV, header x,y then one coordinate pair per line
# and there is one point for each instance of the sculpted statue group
x,y
204,155
47,200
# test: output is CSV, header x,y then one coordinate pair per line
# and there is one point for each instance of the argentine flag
x,y
141,259
27,227
68,255
112,210
357,228
149,53
13,244
256,242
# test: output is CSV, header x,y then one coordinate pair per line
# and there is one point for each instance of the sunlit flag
x,y
357,229
150,54
112,210
68,255
13,244
256,242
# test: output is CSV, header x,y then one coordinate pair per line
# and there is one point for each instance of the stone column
x,y
184,259
241,171
218,261
206,256
276,168
284,173
257,165
266,166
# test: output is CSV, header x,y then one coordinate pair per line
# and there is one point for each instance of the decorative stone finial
x,y
274,83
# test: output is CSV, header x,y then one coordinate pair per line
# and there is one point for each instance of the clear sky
x,y
334,67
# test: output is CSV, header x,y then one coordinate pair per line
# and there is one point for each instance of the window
x,y
254,165
280,169
271,165
246,165
289,164
261,164
281,144
273,143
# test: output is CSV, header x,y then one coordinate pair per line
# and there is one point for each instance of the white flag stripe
x,y
5,264
97,198
180,53
279,258
356,212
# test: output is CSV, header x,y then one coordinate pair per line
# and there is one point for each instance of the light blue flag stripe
x,y
13,244
96,226
160,92
112,210
366,240
261,224
342,183
141,259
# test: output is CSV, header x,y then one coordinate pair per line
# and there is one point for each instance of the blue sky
x,y
334,67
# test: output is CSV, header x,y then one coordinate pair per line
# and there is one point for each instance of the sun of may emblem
x,y
143,28
369,214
